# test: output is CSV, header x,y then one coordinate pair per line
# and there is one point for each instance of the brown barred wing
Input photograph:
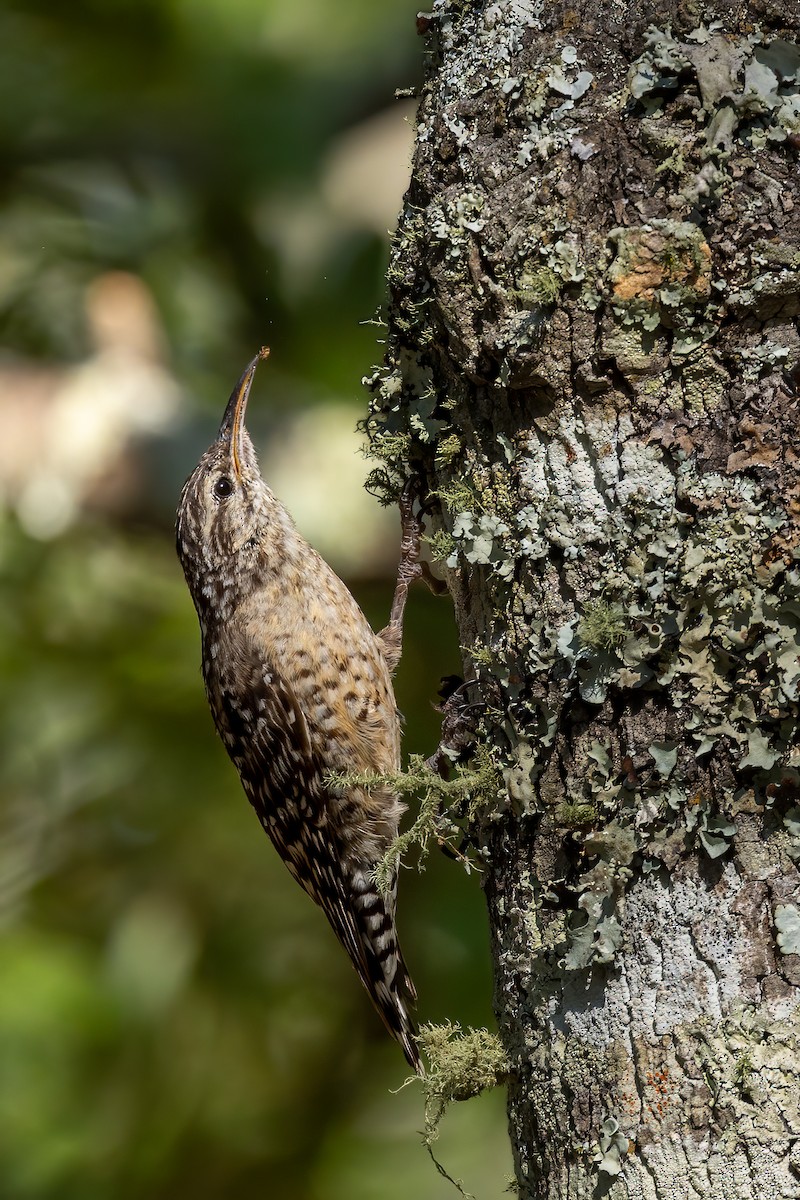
x,y
266,735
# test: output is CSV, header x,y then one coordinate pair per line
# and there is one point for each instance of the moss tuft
x,y
448,451
459,497
445,803
462,1065
602,626
539,288
442,544
576,815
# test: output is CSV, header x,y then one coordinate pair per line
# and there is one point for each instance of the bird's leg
x,y
410,568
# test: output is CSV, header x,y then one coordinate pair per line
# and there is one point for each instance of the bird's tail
x,y
382,968
362,918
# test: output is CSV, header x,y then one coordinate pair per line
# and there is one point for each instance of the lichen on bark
x,y
593,363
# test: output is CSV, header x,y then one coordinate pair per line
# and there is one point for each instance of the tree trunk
x,y
593,364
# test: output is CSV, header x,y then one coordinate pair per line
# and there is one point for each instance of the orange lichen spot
x,y
659,1083
653,259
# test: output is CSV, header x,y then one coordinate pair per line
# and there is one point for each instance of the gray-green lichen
x,y
612,1148
624,567
787,925
689,604
682,599
749,89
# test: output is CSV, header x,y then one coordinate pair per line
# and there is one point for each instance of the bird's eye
x,y
223,487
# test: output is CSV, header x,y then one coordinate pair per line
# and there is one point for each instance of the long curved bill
x,y
233,421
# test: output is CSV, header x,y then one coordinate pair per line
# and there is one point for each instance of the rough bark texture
x,y
593,363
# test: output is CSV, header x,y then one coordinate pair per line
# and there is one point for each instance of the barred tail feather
x,y
362,918
382,969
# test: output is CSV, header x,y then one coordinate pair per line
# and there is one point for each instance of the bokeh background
x,y
180,182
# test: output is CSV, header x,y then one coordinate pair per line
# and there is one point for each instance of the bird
x,y
300,689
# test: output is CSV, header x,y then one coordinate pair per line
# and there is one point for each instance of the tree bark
x,y
592,361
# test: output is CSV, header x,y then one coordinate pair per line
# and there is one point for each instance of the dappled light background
x,y
182,182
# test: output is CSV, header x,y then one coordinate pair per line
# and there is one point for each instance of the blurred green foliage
x,y
175,1016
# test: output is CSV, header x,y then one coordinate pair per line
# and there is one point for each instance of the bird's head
x,y
225,502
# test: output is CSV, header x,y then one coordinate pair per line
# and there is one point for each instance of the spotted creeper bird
x,y
299,685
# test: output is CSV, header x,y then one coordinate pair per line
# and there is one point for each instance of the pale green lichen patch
x,y
576,815
594,932
442,544
749,89
452,223
665,757
704,382
552,127
750,1056
715,833
612,1146
688,603
787,925
538,287
658,69
448,450
460,496
791,822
